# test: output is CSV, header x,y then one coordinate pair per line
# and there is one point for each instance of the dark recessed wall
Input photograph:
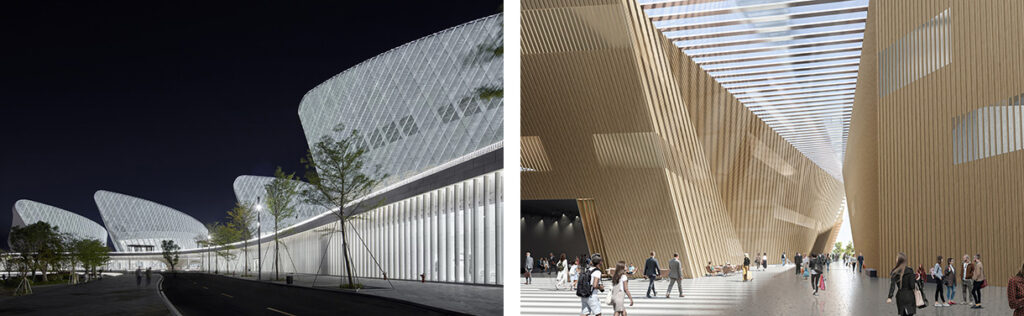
x,y
543,235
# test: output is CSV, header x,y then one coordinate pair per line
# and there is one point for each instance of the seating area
x,y
722,270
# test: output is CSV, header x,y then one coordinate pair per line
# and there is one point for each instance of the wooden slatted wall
x,y
909,187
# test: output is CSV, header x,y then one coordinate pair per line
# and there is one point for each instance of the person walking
x,y
138,277
901,281
1015,292
807,265
746,267
543,265
949,278
528,266
968,280
979,281
828,262
563,273
783,259
590,283
860,263
550,262
149,275
920,277
675,275
937,275
815,266
764,261
574,273
651,271
757,260
798,260
620,289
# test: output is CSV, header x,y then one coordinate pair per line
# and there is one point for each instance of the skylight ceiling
x,y
791,62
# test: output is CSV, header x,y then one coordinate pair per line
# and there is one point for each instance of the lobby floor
x,y
776,291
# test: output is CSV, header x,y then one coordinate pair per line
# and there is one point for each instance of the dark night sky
x,y
170,102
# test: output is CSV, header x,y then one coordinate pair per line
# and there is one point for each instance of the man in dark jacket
x,y
860,262
799,261
816,266
651,270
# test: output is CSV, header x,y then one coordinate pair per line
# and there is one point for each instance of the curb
x,y
160,287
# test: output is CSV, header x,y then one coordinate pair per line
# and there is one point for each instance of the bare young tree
x,y
339,176
281,193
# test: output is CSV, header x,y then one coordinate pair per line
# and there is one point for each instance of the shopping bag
x,y
919,300
821,283
807,273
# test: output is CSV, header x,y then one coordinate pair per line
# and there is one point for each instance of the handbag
x,y
918,299
984,283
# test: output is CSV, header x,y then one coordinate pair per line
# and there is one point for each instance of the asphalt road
x,y
200,294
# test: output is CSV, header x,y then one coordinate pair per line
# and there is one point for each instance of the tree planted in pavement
x,y
241,219
170,253
337,172
223,237
281,193
91,253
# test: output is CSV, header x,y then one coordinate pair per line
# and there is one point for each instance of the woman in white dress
x,y
563,273
620,289
574,273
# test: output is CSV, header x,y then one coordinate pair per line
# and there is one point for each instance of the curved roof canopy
x,y
248,188
28,212
420,105
137,224
793,63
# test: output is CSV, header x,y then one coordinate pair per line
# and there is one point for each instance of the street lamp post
x,y
208,238
259,249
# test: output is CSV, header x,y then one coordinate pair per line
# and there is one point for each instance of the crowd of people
x,y
907,284
583,274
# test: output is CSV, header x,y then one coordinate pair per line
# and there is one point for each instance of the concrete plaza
x,y
107,296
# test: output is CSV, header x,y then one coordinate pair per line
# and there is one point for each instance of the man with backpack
x,y
589,281
815,266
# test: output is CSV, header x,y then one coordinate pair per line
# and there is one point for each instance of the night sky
x,y
171,102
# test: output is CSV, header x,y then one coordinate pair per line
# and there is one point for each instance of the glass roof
x,y
793,63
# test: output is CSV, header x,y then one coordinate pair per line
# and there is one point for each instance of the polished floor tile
x,y
776,291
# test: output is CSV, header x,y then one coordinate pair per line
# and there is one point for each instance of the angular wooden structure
x,y
660,155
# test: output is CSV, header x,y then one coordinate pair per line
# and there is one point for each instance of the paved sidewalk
x,y
462,298
108,296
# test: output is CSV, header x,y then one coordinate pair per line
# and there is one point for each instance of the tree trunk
x,y
277,275
245,253
344,253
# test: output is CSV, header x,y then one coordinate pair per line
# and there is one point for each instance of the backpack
x,y
561,266
583,286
